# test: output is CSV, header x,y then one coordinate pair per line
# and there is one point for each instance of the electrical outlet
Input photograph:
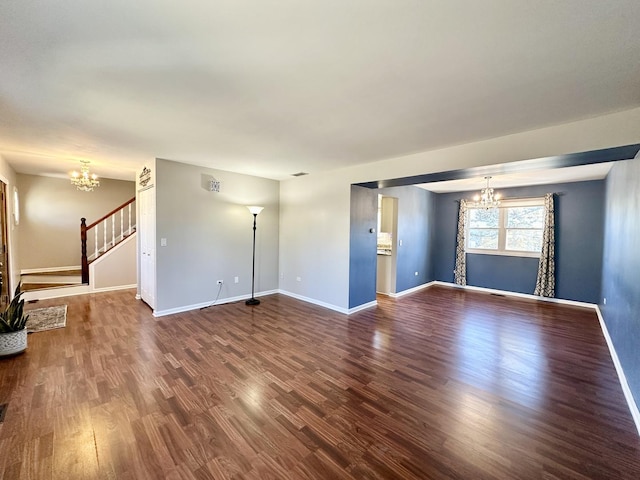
x,y
604,300
416,274
236,279
298,279
219,282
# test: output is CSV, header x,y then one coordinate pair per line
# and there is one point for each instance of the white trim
x,y
315,302
58,292
633,406
519,295
27,271
364,306
196,306
113,289
411,290
113,249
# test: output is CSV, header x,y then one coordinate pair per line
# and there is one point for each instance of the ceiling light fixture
x,y
487,199
84,180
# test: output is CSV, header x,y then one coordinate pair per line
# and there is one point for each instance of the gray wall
x,y
209,235
579,244
416,208
51,208
621,272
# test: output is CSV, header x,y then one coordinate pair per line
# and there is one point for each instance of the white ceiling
x,y
270,88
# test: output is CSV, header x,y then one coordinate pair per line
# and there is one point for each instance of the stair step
x,y
38,280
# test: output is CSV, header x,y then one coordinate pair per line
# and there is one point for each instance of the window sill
x,y
504,253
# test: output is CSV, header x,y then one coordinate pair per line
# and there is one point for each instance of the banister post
x,y
83,246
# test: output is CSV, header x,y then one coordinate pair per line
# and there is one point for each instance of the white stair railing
x,y
108,232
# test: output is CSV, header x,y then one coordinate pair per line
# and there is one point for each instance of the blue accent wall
x,y
362,246
621,271
416,209
579,209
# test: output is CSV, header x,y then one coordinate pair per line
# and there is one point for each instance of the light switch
x,y
163,242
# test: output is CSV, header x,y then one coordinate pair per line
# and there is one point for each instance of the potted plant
x,y
13,322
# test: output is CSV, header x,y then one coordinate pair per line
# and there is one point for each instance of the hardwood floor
x,y
439,384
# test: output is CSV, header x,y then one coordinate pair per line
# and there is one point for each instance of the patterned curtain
x,y
546,281
460,272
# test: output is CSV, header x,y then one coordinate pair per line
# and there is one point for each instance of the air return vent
x,y
299,174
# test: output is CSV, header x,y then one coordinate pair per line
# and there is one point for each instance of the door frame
x,y
9,186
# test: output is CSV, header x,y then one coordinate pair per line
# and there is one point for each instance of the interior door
x,y
147,246
4,248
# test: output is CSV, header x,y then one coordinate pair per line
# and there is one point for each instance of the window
x,y
515,228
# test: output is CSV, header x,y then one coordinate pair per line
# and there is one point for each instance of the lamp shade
x,y
254,209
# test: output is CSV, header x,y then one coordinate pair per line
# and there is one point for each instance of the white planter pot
x,y
13,342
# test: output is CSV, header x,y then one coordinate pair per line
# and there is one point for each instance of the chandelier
x,y
487,199
84,180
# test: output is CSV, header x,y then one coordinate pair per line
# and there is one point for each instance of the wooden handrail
x,y
83,235
83,244
101,219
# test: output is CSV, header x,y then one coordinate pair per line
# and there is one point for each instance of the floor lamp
x,y
254,211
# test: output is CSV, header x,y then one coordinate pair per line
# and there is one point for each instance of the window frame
x,y
502,228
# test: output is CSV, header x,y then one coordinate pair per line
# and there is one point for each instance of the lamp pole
x,y
254,301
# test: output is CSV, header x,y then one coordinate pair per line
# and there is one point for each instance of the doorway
x,y
387,245
4,248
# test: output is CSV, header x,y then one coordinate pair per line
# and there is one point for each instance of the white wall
x,y
315,209
209,235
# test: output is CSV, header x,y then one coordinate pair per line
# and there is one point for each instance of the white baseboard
x,y
27,271
220,301
528,296
633,406
313,301
411,290
364,306
113,289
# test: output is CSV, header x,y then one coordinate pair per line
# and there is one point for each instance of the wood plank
x,y
439,384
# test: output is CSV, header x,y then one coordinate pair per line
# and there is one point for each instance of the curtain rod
x,y
518,198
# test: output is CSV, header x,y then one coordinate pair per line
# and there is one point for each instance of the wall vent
x,y
299,174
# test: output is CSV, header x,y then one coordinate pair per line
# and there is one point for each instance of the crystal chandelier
x,y
487,199
84,180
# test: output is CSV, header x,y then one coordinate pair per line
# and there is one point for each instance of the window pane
x,y
525,217
481,218
483,238
524,240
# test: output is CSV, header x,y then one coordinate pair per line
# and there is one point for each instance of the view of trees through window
x,y
507,229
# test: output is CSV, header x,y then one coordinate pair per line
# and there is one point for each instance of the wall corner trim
x,y
411,290
302,298
633,406
364,306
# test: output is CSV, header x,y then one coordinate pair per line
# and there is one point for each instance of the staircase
x,y
104,234
107,234
50,278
